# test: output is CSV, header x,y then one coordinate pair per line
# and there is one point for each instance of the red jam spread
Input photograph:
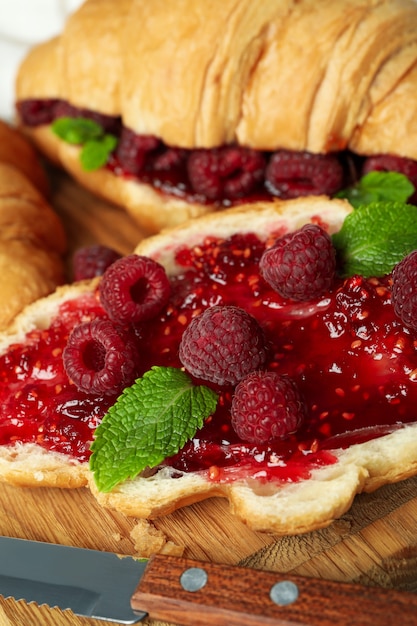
x,y
221,176
354,361
225,175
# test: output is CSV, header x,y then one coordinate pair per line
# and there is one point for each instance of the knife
x,y
114,588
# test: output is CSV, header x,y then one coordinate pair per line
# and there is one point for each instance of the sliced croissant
x,y
281,74
283,508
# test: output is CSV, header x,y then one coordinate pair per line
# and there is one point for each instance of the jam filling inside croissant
x,y
223,176
350,355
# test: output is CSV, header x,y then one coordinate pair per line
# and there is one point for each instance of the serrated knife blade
x,y
118,589
89,582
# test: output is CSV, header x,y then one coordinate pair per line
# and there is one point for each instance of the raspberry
x,y
227,172
91,261
300,265
134,289
293,174
133,150
266,406
170,158
391,163
222,345
404,290
34,112
100,357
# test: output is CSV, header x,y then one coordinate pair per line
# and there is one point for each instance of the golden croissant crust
x,y
302,75
32,239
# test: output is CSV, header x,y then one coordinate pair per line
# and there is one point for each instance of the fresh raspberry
x,y
91,261
266,406
222,345
227,172
134,289
100,357
391,163
34,112
292,174
168,159
300,265
133,150
404,290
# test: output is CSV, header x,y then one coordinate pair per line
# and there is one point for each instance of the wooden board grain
x,y
375,543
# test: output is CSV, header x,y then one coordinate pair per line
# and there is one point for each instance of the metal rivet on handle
x,y
193,579
283,593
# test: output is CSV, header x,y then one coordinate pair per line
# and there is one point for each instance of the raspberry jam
x,y
353,360
38,404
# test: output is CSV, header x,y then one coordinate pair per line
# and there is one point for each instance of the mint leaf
x,y
375,237
378,186
97,145
76,130
95,152
149,422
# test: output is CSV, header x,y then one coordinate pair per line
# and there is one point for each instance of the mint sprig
x,y
378,186
95,152
149,422
96,144
375,237
76,130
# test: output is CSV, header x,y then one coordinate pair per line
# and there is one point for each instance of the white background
x,y
22,24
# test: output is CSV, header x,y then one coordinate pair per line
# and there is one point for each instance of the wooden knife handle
x,y
220,595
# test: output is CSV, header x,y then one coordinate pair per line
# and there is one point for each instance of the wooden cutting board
x,y
375,543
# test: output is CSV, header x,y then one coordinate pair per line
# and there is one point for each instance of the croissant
x,y
32,240
276,488
231,102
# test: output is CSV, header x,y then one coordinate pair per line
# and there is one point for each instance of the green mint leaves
x,y
77,130
149,422
375,237
381,230
377,187
96,144
95,152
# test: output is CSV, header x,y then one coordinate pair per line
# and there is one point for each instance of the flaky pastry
x,y
285,507
321,77
32,240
